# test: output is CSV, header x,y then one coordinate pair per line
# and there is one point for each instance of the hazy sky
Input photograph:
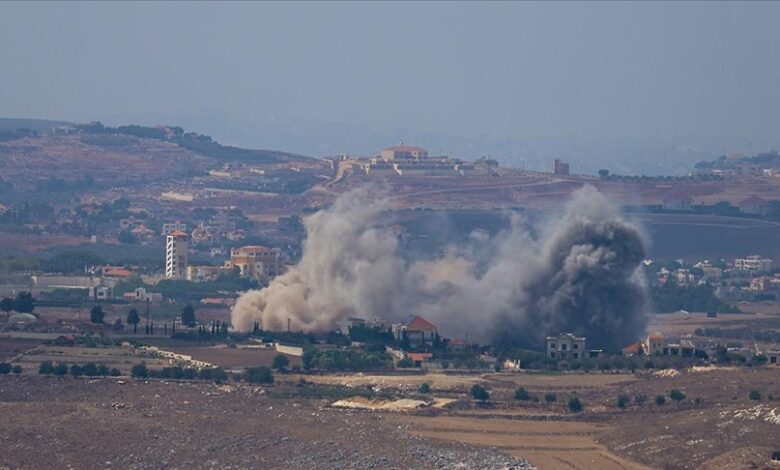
x,y
496,70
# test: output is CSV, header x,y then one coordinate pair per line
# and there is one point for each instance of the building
x,y
683,203
141,295
176,246
416,330
101,293
772,357
171,227
404,152
566,346
458,345
683,348
560,168
654,344
760,284
254,261
204,273
753,263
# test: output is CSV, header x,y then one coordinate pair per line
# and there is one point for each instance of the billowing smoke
x,y
575,273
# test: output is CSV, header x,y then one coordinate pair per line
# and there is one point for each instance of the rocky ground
x,y
110,423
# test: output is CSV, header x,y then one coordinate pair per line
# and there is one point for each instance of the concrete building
x,y
101,293
416,330
176,246
171,227
654,344
404,152
560,168
772,357
204,273
255,260
753,263
566,346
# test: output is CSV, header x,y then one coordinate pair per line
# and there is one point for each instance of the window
x,y
552,345
563,347
576,346
575,355
552,354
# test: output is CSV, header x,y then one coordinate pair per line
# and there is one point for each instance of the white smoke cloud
x,y
578,274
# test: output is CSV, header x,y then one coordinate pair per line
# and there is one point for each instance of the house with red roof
x,y
416,330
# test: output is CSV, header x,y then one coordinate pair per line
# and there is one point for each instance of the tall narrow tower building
x,y
176,255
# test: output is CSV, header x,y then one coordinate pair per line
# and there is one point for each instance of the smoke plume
x,y
574,273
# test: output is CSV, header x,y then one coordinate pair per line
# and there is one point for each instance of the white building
x,y
566,346
176,255
753,263
171,227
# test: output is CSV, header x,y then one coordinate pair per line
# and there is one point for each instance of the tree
x,y
6,304
46,368
522,394
76,370
5,368
550,397
90,369
660,400
24,302
96,315
188,316
677,395
133,319
139,371
17,369
405,363
603,173
575,406
622,400
478,392
259,375
424,388
114,372
280,362
754,395
60,370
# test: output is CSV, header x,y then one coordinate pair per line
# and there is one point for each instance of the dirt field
x,y
234,358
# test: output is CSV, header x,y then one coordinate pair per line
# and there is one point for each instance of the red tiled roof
x,y
177,233
117,272
420,324
419,356
633,348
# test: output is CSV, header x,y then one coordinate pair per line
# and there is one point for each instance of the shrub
x,y
754,395
96,315
522,394
102,370
478,392
640,399
575,406
76,370
660,400
5,368
622,400
676,395
46,368
405,363
424,388
17,369
258,375
60,370
280,362
217,374
114,372
90,369
776,455
550,397
139,371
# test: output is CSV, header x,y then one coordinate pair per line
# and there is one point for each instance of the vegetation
x,y
575,406
660,399
139,371
280,362
676,395
424,388
623,400
405,363
188,316
550,397
96,315
640,399
478,392
754,395
17,369
133,319
522,394
259,375
5,368
671,297
24,302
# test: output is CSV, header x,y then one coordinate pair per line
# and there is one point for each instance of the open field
x,y
233,358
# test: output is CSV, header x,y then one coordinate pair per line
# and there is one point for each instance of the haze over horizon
x,y
634,87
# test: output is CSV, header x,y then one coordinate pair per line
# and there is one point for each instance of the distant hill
x,y
763,160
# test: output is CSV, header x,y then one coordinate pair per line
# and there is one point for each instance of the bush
x,y
76,370
622,400
754,395
114,372
258,375
17,369
46,368
478,392
676,395
550,397
5,368
776,455
280,362
96,315
60,370
405,363
102,370
575,406
640,399
522,394
424,388
660,400
139,371
90,369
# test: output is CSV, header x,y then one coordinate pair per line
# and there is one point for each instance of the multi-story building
x,y
176,245
255,260
171,227
753,263
566,346
204,273
416,330
404,152
560,168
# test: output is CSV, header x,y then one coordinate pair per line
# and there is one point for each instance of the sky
x,y
615,82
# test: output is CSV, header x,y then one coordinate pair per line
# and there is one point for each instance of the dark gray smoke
x,y
578,275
